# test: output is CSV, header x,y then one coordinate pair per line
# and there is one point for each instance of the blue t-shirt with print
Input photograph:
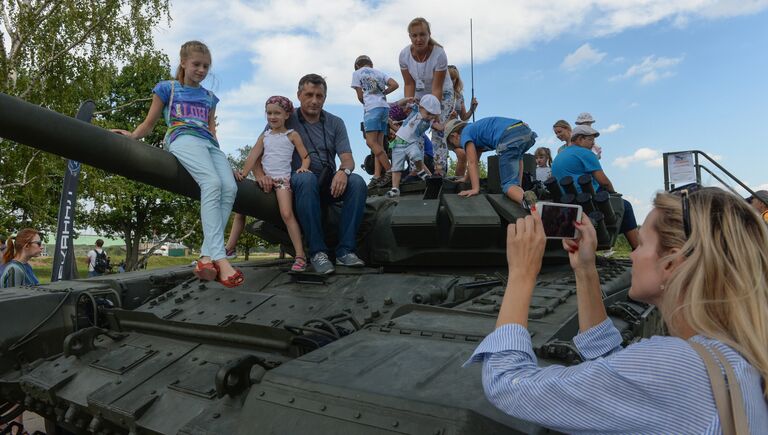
x,y
486,133
190,111
576,161
414,126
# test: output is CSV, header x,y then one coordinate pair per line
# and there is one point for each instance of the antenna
x,y
472,65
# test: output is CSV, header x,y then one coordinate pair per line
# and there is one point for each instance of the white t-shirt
x,y
92,258
543,173
278,151
373,82
423,72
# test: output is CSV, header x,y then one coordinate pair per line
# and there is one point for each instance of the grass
x,y
44,265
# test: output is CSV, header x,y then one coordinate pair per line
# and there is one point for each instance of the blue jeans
x,y
376,119
515,141
308,198
93,273
209,166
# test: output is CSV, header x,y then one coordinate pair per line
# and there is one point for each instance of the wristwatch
x,y
346,171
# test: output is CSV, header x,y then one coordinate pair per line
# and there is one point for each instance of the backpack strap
x,y
728,400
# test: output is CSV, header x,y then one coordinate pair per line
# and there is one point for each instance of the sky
x,y
657,75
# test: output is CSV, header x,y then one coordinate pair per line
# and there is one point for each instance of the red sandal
x,y
233,280
205,271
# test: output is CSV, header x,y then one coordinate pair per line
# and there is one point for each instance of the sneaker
x,y
322,264
231,253
529,199
385,180
393,193
423,175
349,260
374,183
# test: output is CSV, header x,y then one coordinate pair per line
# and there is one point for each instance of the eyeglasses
x,y
683,192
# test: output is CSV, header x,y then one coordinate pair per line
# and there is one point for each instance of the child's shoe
x,y
393,193
529,199
374,183
299,264
423,175
231,253
385,180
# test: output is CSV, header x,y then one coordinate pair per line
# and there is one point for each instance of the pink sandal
x,y
299,264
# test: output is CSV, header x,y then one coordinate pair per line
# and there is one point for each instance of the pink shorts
x,y
282,183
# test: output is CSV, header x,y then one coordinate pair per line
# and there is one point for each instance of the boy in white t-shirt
x,y
407,142
372,87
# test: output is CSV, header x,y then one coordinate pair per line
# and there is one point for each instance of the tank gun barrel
x,y
68,137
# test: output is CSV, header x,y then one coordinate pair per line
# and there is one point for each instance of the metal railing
x,y
690,161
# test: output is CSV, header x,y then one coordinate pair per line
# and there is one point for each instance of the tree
x,y
452,168
247,240
58,53
132,210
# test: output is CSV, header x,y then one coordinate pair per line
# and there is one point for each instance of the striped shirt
x,y
655,386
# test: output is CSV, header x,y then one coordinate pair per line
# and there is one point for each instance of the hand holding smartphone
x,y
558,219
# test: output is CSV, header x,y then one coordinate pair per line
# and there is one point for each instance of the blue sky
x,y
658,76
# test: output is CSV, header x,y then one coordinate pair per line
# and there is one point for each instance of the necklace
x,y
423,57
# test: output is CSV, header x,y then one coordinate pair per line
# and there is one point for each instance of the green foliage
x,y
452,168
57,54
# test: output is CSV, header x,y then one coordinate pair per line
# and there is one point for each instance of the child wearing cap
x,y
372,87
510,138
407,142
585,118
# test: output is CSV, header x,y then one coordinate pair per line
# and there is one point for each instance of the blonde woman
x,y
424,66
703,261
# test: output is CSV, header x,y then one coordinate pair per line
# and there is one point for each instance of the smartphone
x,y
558,219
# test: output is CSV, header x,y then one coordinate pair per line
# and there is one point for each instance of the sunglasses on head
x,y
683,192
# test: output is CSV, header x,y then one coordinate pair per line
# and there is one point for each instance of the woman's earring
x,y
662,287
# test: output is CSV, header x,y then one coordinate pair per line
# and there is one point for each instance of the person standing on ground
x,y
16,270
97,260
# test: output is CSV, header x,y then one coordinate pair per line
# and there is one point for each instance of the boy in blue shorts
x,y
372,87
510,138
407,143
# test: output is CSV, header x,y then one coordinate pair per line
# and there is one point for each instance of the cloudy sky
x,y
657,75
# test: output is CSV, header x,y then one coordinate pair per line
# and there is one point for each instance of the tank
x,y
366,351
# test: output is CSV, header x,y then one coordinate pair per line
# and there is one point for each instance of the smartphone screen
x,y
558,219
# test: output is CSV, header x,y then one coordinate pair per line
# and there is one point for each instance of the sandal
x,y
205,271
299,264
233,280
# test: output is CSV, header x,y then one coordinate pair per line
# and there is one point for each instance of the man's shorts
x,y
376,119
400,154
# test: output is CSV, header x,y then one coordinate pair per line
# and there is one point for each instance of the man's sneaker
x,y
529,199
393,193
349,260
423,175
322,264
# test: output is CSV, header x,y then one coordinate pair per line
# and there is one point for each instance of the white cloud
x,y
584,56
275,42
650,157
651,69
640,207
612,128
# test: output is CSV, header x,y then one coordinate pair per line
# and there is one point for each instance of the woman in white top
x,y
424,66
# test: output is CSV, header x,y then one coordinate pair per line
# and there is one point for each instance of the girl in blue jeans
x,y
189,111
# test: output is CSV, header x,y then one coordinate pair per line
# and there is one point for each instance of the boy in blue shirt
x,y
510,138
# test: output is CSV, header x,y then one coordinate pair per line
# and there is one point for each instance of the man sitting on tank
x,y
325,137
577,160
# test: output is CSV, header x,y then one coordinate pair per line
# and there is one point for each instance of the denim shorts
x,y
376,119
515,141
400,154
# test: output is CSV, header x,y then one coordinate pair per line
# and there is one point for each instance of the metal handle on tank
x,y
584,199
585,181
553,188
568,185
602,200
598,221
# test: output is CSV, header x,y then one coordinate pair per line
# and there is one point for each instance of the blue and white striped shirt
x,y
656,386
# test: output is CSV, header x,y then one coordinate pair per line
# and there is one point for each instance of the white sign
x,y
681,168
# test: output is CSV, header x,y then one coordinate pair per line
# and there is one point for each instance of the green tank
x,y
374,350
